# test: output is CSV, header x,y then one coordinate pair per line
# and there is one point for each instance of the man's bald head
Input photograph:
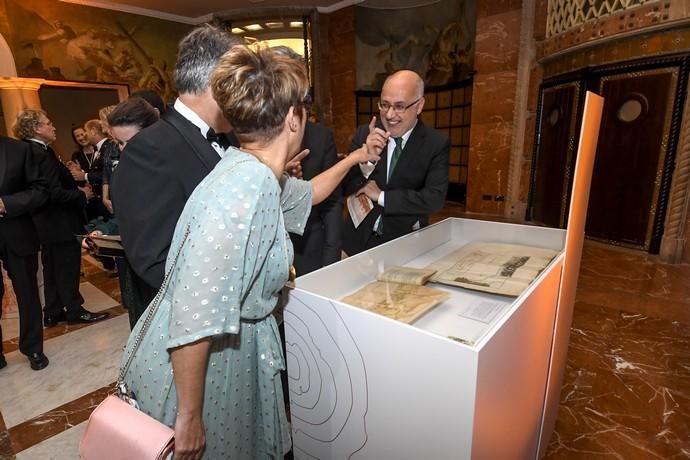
x,y
402,97
407,78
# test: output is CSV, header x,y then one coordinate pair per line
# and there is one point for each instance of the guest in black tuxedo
x,y
322,241
161,166
57,223
411,179
22,191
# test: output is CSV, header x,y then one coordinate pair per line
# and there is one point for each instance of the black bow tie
x,y
219,138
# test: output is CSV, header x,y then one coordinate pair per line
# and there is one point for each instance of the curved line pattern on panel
x,y
327,381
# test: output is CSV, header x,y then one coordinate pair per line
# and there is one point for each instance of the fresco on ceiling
x,y
436,41
62,41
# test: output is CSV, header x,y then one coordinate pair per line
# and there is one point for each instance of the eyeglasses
x,y
398,107
46,123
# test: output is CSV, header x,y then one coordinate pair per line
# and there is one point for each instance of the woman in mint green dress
x,y
209,364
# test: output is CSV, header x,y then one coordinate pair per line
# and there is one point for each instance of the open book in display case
x,y
476,377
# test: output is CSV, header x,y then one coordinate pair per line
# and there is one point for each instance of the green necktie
x,y
396,155
393,161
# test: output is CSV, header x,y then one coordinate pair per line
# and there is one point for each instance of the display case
x,y
478,376
466,379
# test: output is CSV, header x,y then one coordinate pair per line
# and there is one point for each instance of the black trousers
x,y
22,271
61,272
136,293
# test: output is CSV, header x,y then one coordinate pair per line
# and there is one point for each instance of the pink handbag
x,y
118,431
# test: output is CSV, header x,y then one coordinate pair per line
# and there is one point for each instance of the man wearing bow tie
x,y
161,166
411,180
57,222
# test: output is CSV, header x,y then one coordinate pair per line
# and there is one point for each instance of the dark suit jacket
x,y
322,240
22,189
63,215
158,170
416,188
95,173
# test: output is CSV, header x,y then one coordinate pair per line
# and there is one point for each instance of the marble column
x,y
17,94
497,50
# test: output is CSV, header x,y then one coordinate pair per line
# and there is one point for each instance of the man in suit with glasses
x,y
411,179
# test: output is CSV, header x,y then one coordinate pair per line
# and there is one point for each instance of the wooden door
x,y
632,147
554,159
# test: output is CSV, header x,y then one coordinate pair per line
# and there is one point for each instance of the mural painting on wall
x,y
436,41
60,41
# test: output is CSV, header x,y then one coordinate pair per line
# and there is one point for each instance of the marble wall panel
x,y
342,81
493,7
497,42
488,165
343,109
493,97
540,14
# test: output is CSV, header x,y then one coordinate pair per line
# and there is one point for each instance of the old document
x,y
505,269
402,302
406,275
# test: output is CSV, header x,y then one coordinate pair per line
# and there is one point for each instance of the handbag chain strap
x,y
120,384
149,316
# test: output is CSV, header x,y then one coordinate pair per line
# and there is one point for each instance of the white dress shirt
x,y
196,120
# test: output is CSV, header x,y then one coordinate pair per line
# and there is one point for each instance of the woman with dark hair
x,y
125,121
209,362
85,153
130,117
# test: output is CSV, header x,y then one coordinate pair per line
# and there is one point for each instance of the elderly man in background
x,y
22,190
57,223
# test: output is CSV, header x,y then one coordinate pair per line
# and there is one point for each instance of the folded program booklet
x,y
104,245
359,206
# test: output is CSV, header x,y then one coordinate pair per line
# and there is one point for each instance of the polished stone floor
x,y
626,392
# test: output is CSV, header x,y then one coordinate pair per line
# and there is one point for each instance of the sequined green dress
x,y
225,286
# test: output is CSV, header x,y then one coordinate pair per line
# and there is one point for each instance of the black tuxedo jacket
x,y
416,188
95,173
23,190
63,215
158,170
322,240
